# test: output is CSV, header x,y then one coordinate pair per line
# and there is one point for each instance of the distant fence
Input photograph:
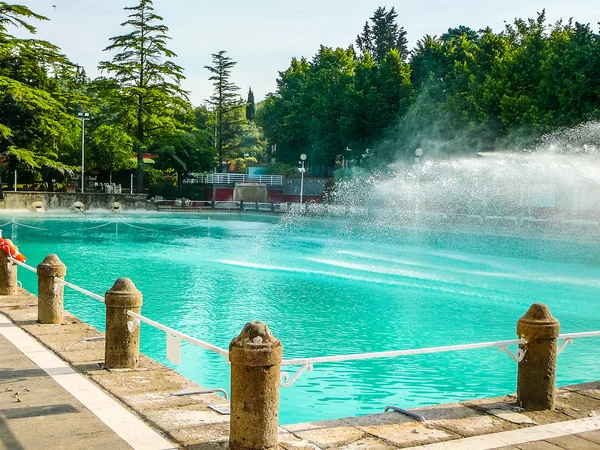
x,y
232,178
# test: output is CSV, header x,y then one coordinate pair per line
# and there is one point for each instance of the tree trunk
x,y
140,170
140,147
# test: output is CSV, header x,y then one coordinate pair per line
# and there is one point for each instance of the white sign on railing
x,y
173,349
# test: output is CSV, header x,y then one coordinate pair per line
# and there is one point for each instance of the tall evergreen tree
x,y
383,35
227,104
149,81
250,106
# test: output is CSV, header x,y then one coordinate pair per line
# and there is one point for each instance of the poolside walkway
x,y
45,404
72,403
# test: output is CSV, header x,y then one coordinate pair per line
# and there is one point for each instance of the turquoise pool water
x,y
329,287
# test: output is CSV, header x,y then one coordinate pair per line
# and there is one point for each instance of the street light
x,y
83,116
302,170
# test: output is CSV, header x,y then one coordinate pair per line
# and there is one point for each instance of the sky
x,y
262,36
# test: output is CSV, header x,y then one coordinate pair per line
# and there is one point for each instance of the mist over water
x,y
551,187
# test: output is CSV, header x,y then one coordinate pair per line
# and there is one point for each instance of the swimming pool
x,y
330,286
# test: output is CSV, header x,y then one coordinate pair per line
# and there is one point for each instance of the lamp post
x,y
83,116
302,170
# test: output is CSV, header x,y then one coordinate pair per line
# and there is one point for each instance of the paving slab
x,y
539,445
462,420
576,404
326,434
574,443
409,434
368,443
593,436
35,412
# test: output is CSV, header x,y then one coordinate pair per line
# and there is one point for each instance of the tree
x,y
383,35
36,124
151,97
250,106
227,105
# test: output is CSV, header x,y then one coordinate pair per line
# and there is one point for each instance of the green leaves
x,y
150,99
36,129
228,107
16,15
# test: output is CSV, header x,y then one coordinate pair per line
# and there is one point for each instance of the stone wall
x,y
56,201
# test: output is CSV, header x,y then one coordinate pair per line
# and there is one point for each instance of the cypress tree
x,y
250,106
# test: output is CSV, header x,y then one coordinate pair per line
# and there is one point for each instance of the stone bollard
x,y
122,348
255,357
536,380
50,293
8,274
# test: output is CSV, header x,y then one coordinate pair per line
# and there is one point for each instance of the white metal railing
x,y
308,363
59,280
135,316
175,333
232,178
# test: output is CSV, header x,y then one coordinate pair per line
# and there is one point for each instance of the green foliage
x,y
228,107
463,92
170,191
286,170
250,106
334,103
110,148
36,129
383,35
149,99
240,165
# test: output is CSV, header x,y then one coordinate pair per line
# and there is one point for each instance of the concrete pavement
x,y
37,413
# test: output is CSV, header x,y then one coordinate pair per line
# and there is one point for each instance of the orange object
x,y
11,249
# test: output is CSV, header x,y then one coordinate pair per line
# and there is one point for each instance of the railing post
x,y
8,274
122,347
255,357
536,380
50,293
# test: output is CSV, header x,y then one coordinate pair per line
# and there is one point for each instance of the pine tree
x,y
384,35
36,129
150,82
227,104
250,106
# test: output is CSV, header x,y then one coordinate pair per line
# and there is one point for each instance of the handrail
x,y
136,316
391,354
178,334
59,280
22,264
79,289
308,363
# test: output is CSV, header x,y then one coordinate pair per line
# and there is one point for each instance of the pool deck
x,y
66,395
